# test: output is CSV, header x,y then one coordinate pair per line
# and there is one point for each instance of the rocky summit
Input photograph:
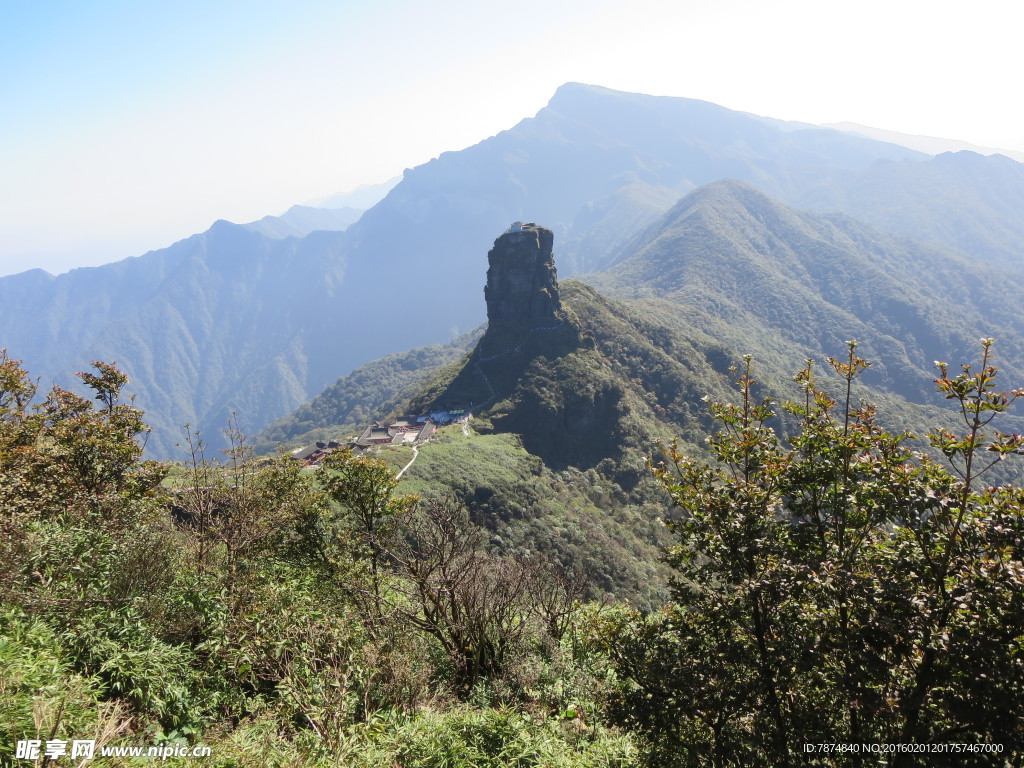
x,y
522,285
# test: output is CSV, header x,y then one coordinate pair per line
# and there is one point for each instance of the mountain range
x,y
818,236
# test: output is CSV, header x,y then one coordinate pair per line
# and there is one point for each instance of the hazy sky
x,y
125,126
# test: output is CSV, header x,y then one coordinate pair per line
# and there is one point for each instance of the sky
x,y
125,126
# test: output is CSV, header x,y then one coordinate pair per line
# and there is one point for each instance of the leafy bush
x,y
841,588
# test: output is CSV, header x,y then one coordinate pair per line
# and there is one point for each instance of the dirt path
x,y
415,453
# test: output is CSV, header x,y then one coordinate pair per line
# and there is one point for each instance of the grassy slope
x,y
580,519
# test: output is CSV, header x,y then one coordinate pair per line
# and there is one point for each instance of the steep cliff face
x,y
521,291
525,320
522,287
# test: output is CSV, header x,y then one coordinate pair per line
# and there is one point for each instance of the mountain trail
x,y
415,453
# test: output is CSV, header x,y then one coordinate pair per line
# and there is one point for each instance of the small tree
x,y
842,588
472,603
428,568
72,483
242,509
364,490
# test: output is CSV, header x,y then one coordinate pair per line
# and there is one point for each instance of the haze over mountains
x,y
300,220
932,145
259,318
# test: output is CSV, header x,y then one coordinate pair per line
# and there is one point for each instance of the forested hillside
x,y
369,393
783,284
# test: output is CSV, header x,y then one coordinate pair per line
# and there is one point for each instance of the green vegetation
x,y
580,520
531,593
842,588
730,264
602,389
833,586
275,615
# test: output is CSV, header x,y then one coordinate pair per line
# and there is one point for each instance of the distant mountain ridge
x,y
933,145
233,320
227,321
300,220
960,201
361,198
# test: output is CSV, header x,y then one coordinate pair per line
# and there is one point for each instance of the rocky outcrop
x,y
525,322
522,287
521,291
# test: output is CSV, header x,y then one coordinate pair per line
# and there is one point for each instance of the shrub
x,y
839,588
